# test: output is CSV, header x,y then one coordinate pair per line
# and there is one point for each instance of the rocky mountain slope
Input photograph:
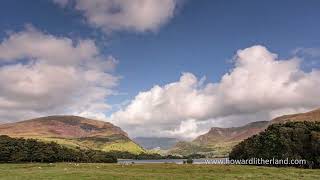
x,y
218,142
216,135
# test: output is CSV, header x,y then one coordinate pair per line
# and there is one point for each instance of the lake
x,y
175,161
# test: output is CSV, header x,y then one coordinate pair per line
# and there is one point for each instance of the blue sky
x,y
201,37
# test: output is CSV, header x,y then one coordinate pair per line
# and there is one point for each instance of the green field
x,y
149,171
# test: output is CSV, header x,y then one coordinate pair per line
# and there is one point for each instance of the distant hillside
x,y
73,131
216,135
163,143
312,116
220,141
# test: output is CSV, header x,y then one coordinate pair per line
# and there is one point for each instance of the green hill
x,y
73,132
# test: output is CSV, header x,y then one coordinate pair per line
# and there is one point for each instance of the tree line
x,y
153,156
18,150
31,150
292,140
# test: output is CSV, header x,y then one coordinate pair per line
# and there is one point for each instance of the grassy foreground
x,y
149,171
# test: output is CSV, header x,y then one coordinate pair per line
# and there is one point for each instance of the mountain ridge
x,y
61,126
216,134
313,115
242,132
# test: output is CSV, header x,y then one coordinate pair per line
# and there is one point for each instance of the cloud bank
x,y
43,74
259,87
131,15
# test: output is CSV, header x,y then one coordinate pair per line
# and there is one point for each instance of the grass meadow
x,y
149,171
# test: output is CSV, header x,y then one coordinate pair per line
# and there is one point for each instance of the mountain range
x,y
219,141
73,132
79,132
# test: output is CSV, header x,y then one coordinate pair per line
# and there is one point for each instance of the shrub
x,y
189,161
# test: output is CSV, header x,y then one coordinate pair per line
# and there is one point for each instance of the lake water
x,y
176,161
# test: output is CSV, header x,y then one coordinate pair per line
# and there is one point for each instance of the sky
x,y
169,68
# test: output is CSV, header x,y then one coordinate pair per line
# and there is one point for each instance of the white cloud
x,y
187,129
136,15
259,87
44,74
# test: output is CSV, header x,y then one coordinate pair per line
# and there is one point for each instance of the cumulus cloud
x,y
43,74
259,87
136,15
188,129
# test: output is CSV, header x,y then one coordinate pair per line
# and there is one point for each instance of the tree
x,y
30,150
292,140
